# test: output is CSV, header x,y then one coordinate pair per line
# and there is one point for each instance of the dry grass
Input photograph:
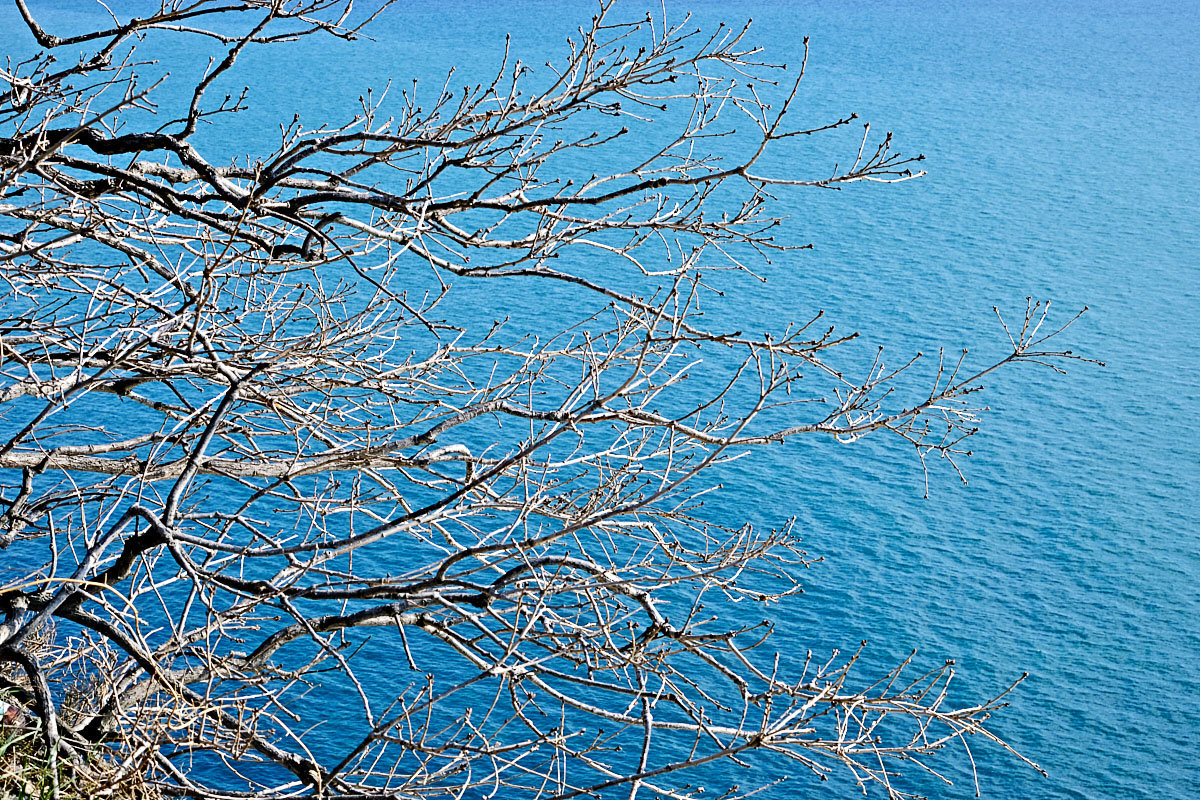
x,y
25,774
25,771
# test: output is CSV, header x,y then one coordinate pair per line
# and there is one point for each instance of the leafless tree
x,y
252,434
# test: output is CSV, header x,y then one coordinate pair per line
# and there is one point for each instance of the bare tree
x,y
251,435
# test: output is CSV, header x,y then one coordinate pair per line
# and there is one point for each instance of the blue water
x,y
1061,143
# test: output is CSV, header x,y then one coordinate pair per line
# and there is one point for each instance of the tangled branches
x,y
266,469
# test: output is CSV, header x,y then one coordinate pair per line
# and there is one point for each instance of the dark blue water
x,y
1062,143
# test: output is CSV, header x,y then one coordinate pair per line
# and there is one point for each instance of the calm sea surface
x,y
1062,144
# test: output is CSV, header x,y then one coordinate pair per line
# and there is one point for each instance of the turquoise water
x,y
1061,144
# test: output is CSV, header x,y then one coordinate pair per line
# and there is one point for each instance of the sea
x,y
1062,145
